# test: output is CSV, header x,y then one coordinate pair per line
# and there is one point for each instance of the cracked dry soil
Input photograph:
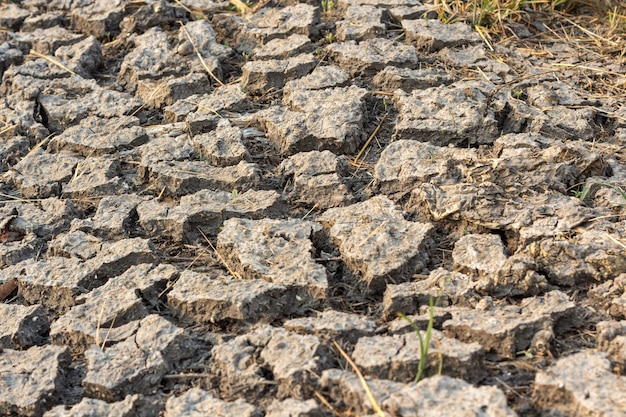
x,y
196,203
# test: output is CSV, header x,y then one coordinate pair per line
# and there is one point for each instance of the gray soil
x,y
201,208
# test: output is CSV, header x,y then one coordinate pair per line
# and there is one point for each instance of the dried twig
x,y
206,67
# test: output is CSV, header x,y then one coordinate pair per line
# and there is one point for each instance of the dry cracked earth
x,y
198,203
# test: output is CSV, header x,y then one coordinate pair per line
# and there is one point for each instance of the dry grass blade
x,y
6,129
243,7
366,387
369,140
195,48
52,61
220,257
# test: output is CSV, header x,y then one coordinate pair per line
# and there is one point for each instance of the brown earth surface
x,y
212,210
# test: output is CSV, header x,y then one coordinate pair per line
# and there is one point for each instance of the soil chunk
x,y
377,243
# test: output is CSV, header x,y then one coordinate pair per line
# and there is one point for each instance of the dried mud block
x,y
433,397
241,363
93,177
412,12
74,244
31,380
482,254
187,177
198,403
589,256
55,282
44,20
360,23
199,111
316,179
507,331
407,79
528,216
611,339
22,326
475,57
153,14
72,99
12,16
12,149
321,77
260,77
446,286
169,89
433,35
41,174
482,257
110,311
333,325
170,145
329,119
136,365
377,243
539,162
580,384
277,251
95,136
18,249
222,146
9,56
611,295
403,164
99,17
47,41
131,406
446,115
154,58
294,408
115,215
271,22
206,211
84,57
397,357
284,48
371,56
214,297
24,224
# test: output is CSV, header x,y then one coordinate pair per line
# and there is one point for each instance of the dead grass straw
x,y
52,61
220,257
195,48
366,387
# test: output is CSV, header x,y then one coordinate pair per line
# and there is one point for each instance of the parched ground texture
x,y
201,208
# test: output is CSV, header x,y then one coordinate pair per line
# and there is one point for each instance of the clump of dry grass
x,y
491,18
